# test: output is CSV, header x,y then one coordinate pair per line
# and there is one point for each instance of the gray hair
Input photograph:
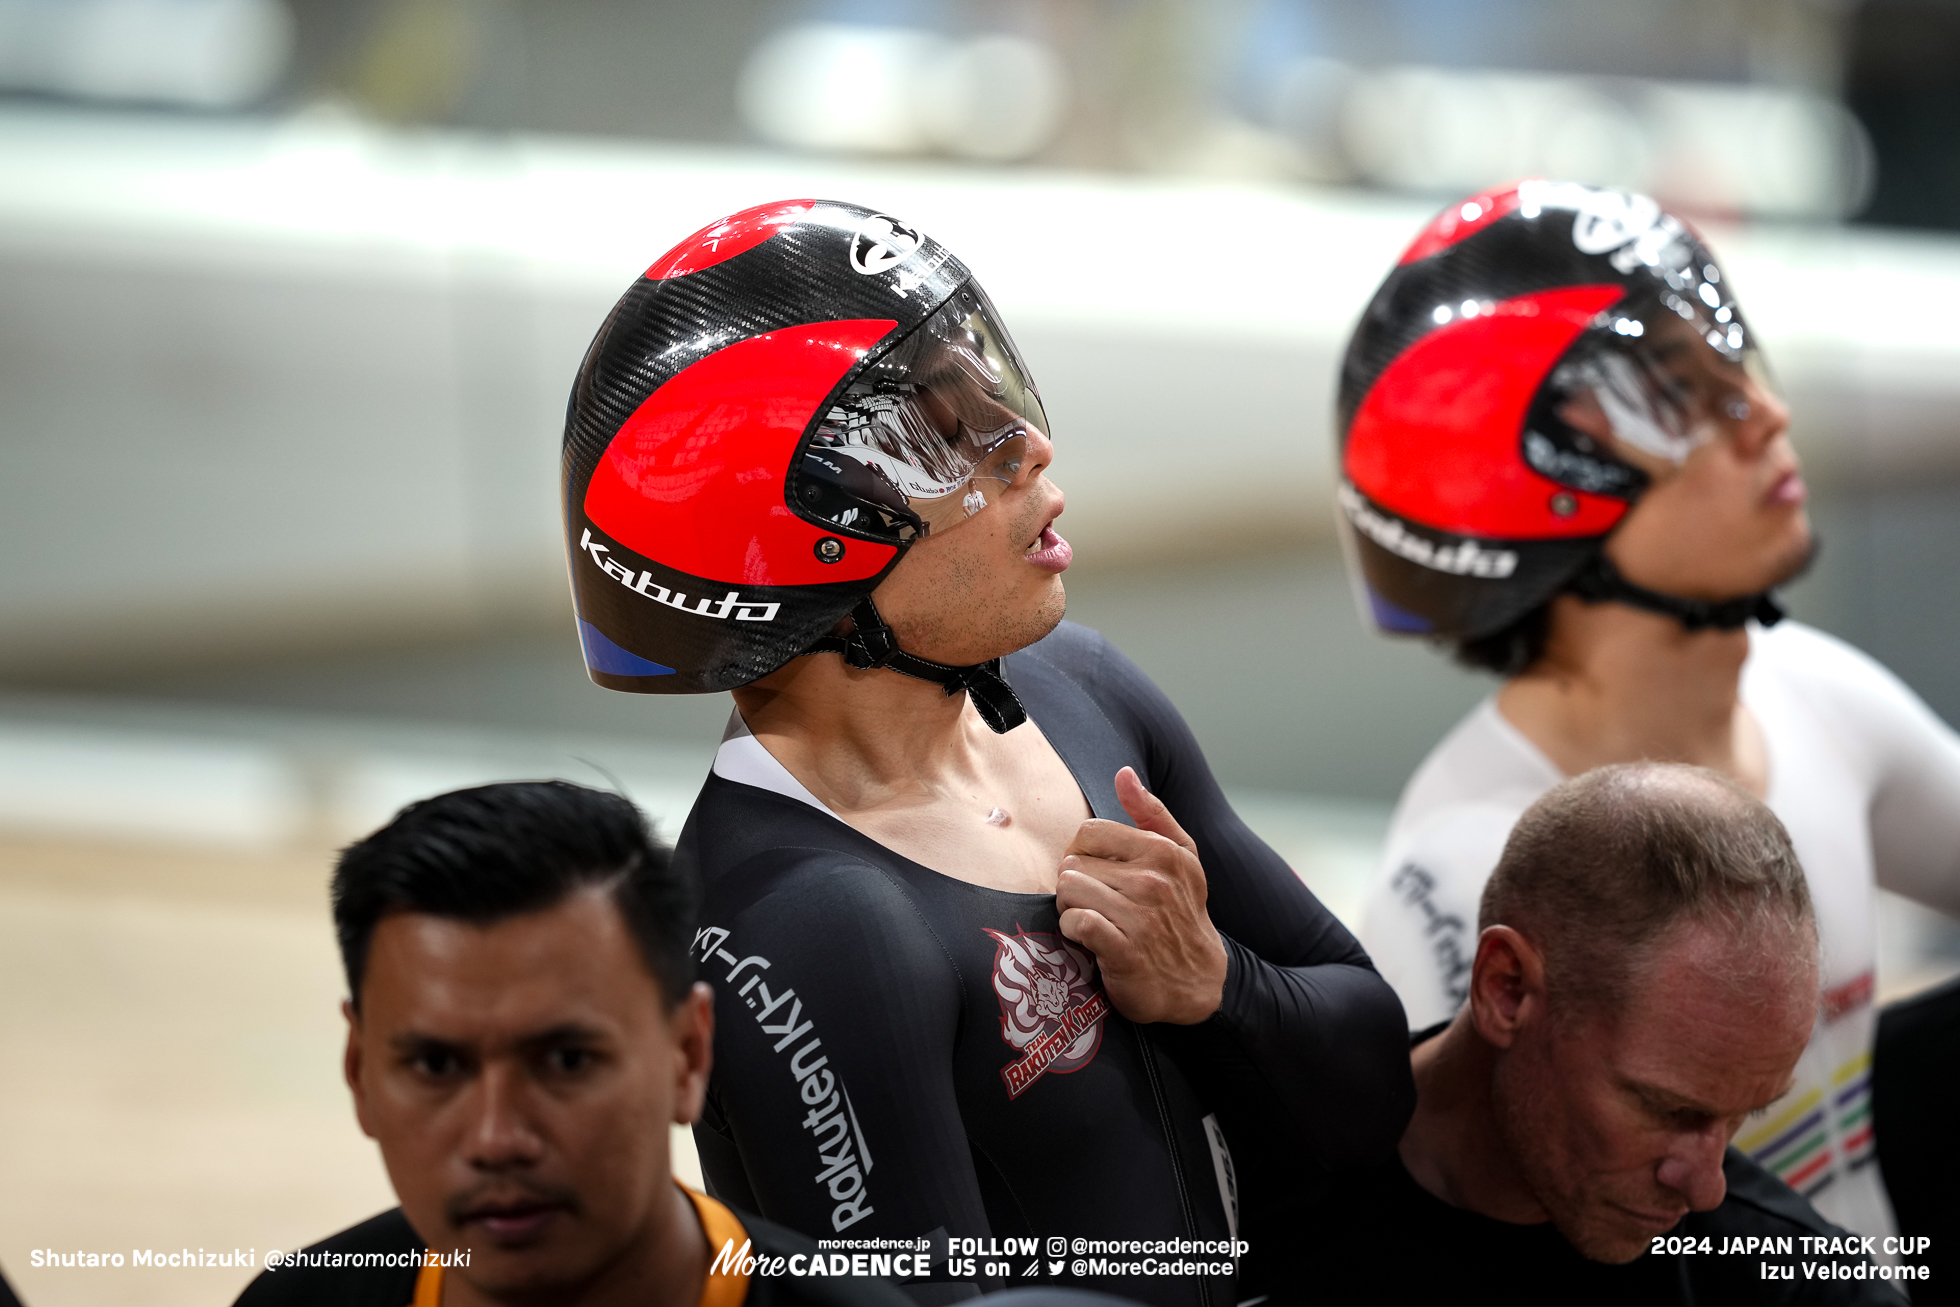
x,y
1604,867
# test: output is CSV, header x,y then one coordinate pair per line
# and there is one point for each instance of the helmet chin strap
x,y
874,644
1600,582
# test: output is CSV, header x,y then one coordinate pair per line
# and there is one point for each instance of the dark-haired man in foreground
x,y
1645,980
524,1028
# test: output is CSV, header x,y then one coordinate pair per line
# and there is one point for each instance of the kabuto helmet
x,y
1531,351
766,421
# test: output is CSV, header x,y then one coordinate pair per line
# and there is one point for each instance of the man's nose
x,y
501,1134
1693,1169
1767,417
1041,453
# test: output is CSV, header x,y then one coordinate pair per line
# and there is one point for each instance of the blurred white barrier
x,y
121,785
889,90
369,790
286,386
206,54
1762,151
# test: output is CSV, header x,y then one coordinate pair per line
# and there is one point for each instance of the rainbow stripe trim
x,y
1851,1095
1796,1145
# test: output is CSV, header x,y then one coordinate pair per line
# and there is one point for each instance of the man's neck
x,y
1452,1147
918,772
859,739
1617,684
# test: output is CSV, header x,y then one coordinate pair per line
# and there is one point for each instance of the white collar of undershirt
x,y
742,759
1522,746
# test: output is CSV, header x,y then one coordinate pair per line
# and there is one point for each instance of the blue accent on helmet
x,y
1400,620
602,655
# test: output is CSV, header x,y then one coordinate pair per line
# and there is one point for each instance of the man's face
x,y
1618,1123
1728,519
990,584
521,1078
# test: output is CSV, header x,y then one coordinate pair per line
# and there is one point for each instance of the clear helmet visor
x,y
929,434
1661,374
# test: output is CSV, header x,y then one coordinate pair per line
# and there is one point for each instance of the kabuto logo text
x,y
1467,558
730,605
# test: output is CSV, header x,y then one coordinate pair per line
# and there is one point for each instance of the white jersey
x,y
1866,779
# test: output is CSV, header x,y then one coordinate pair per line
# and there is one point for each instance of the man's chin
x,y
519,1276
1613,1236
1797,558
1053,608
1615,1248
1013,630
1036,626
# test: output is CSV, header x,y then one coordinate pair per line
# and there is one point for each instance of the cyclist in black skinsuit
x,y
973,983
844,968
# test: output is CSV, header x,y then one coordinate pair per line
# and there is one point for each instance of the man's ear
x,y
1507,985
351,1062
693,1028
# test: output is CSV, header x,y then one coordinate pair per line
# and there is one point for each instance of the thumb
x,y
1147,810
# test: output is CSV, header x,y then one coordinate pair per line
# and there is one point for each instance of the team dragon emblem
x,y
1051,1007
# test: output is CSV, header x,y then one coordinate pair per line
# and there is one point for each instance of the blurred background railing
x,y
295,289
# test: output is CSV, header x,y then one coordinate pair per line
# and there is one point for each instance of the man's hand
x,y
1136,899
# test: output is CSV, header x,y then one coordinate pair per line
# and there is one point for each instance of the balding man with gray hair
x,y
1645,980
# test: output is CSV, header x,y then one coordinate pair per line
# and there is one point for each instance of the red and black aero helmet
x,y
1531,351
763,425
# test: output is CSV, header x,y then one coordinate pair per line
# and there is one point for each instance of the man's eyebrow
x,y
1666,1100
414,1041
565,1032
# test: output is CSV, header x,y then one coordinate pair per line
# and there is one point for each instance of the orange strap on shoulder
x,y
727,1285
428,1285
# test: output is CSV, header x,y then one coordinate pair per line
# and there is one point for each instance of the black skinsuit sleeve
x,y
866,1089
1309,1046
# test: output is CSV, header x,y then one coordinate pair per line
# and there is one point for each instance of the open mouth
x,y
1049,551
1787,489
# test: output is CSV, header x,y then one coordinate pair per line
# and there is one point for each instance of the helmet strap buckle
x,y
1599,581
872,643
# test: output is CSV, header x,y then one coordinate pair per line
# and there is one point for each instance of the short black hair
x,y
496,851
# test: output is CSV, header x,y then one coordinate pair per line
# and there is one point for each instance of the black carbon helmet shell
x,y
1466,501
703,552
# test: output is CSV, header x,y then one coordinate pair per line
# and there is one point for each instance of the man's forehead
x,y
1707,1025
571,962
